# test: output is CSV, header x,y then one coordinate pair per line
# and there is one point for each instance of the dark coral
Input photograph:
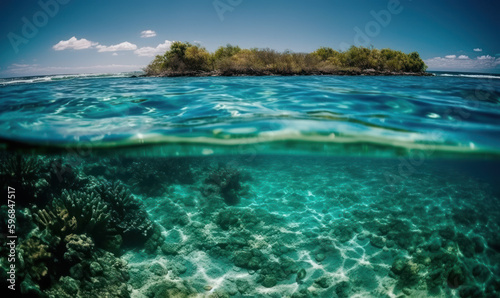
x,y
64,174
146,176
224,181
79,248
226,219
107,212
26,175
76,212
101,274
127,214
38,178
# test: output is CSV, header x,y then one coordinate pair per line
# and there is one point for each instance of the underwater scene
x,y
300,186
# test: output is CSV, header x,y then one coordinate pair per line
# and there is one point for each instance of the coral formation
x,y
224,181
145,176
57,221
127,215
100,274
296,238
36,257
79,212
25,174
79,248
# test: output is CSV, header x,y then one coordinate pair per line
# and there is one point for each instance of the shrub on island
x,y
184,58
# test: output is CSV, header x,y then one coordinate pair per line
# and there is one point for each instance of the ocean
x,y
300,186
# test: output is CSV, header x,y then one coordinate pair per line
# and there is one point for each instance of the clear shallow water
x,y
443,114
253,187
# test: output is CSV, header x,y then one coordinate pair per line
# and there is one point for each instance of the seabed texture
x,y
269,226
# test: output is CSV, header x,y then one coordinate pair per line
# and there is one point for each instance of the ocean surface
x,y
302,186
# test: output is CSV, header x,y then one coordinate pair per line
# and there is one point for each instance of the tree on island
x,y
184,58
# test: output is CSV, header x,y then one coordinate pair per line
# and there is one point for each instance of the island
x,y
186,59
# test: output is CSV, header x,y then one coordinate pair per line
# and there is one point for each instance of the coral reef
x,y
63,174
127,214
76,212
83,268
35,258
79,248
26,174
145,176
298,235
57,221
38,178
224,181
100,274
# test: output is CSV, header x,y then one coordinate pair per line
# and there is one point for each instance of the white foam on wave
x,y
470,76
49,78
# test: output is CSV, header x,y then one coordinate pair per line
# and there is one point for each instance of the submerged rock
x,y
226,219
398,266
324,282
342,289
301,275
242,285
269,281
319,257
69,285
158,269
242,258
377,241
166,288
406,291
456,277
480,272
470,291
170,248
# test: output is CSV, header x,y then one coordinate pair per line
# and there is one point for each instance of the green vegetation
x,y
189,59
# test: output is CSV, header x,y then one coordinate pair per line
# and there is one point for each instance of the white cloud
x,y
450,56
148,33
74,43
478,50
124,46
151,52
485,57
463,63
21,65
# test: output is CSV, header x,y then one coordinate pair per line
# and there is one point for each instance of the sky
x,y
75,36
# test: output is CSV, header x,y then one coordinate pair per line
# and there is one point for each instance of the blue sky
x,y
76,36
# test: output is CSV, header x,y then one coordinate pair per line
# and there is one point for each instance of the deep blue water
x,y
307,186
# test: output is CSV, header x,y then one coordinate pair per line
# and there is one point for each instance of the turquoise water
x,y
451,114
315,186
